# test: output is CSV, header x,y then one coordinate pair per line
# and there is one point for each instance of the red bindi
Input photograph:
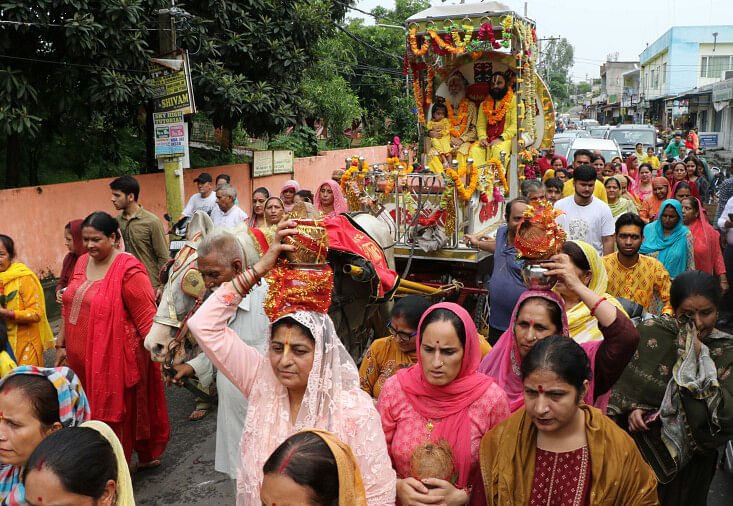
x,y
40,499
539,387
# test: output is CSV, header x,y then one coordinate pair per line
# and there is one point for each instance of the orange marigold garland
x,y
419,101
499,172
429,85
463,192
462,117
493,116
444,45
413,43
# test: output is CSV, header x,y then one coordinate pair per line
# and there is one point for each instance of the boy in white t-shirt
x,y
204,200
587,218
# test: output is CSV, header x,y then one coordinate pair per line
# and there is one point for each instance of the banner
x,y
172,86
262,163
170,134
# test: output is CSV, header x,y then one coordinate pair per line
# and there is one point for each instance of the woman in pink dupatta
x,y
329,199
287,194
539,314
417,405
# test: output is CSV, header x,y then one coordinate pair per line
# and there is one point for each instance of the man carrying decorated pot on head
x,y
462,114
496,125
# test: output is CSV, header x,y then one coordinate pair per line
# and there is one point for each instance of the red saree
x,y
124,386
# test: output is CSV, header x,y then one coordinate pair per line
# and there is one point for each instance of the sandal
x,y
143,466
198,414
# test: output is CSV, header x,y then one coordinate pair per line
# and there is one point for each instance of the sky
x,y
598,28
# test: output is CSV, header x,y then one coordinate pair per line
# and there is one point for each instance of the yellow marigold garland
x,y
500,172
444,45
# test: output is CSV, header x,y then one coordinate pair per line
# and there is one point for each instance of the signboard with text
x,y
172,87
723,91
170,136
282,162
708,139
262,163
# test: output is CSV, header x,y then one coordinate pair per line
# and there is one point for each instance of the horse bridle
x,y
189,250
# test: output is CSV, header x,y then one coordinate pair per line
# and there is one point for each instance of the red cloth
x,y
561,479
344,236
708,256
495,130
67,268
123,385
546,164
450,403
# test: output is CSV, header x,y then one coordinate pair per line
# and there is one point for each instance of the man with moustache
x,y
496,124
462,115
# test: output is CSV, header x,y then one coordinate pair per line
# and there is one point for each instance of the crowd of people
x,y
614,387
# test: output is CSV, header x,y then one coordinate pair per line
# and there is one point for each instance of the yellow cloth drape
x,y
6,364
351,486
582,325
125,496
619,474
20,278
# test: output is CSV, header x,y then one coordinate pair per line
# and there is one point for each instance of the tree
x,y
582,88
557,60
67,71
81,67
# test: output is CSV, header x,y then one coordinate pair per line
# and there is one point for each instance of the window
x,y
655,79
664,73
714,66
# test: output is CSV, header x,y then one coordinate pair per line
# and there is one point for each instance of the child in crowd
x,y
441,145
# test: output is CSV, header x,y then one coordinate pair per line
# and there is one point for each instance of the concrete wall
x,y
35,216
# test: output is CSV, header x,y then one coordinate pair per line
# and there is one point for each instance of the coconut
x,y
432,460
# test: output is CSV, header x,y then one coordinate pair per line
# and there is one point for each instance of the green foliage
x,y
301,140
582,87
557,60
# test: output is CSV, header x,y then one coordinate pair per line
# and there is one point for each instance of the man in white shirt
x,y
587,218
226,214
204,200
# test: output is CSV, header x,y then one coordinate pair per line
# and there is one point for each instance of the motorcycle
x,y
177,232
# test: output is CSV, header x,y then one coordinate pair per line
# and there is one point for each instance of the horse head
x,y
169,341
184,288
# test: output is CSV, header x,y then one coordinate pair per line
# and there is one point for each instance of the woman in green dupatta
x,y
676,395
619,205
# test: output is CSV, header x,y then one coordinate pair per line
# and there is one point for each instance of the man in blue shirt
x,y
506,284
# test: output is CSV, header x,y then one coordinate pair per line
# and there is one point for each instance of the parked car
x,y
599,132
588,123
564,139
607,147
628,136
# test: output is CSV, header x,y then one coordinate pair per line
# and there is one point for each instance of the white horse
x,y
168,340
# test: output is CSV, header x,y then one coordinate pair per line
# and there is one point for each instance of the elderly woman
x,y
557,449
675,395
669,240
23,307
306,378
443,397
34,403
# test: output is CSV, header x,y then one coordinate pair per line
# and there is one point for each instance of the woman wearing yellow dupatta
x,y
312,467
23,307
582,325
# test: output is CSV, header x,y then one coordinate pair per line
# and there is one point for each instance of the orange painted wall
x,y
35,216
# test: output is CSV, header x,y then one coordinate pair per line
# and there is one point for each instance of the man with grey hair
x,y
532,190
220,258
226,213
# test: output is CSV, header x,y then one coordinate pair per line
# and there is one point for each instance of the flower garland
x,y
462,117
466,38
429,87
413,43
499,172
487,33
446,45
493,116
463,192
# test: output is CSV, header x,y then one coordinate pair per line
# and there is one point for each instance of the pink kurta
x,y
353,419
406,429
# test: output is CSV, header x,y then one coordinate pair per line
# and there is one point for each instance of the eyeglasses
x,y
402,336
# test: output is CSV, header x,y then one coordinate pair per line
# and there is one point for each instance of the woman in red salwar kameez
x,y
108,310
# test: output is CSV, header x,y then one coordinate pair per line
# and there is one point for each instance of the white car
x,y
607,147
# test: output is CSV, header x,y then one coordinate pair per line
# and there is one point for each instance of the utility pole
x,y
173,167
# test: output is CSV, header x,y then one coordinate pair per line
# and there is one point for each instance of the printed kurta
x,y
647,283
